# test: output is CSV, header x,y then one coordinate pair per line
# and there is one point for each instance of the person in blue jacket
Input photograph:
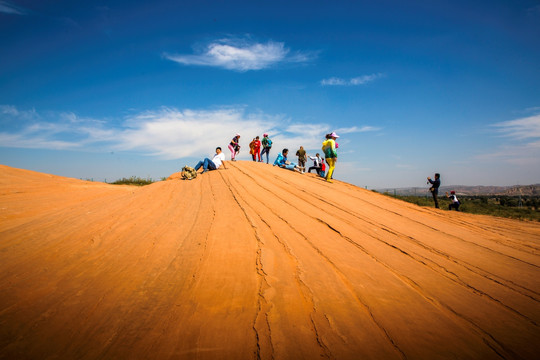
x,y
282,161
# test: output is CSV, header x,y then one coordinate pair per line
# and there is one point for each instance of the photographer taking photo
x,y
435,188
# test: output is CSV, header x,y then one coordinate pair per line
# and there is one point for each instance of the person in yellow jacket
x,y
330,153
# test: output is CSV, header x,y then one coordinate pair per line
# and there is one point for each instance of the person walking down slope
x,y
282,161
267,145
301,153
234,146
214,164
330,154
435,188
454,200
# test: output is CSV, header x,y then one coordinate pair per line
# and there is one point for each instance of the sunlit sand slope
x,y
257,262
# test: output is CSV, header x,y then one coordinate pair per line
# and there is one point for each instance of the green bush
x,y
134,180
504,206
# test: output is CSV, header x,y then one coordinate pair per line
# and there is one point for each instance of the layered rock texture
x,y
256,262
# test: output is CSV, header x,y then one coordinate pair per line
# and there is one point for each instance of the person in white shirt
x,y
317,165
214,164
454,199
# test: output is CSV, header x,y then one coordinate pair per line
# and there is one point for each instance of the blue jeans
x,y
267,152
291,166
207,164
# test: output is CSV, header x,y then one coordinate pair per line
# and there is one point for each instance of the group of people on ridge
x,y
255,148
329,148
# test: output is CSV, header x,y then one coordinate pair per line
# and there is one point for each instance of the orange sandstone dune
x,y
256,262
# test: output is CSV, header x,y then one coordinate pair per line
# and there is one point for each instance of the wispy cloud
x,y
170,133
8,8
355,129
241,54
525,128
523,144
58,131
166,133
359,80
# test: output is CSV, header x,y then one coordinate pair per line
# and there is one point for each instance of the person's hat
x,y
452,192
237,134
265,134
333,134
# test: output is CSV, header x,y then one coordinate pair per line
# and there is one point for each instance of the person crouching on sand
x,y
234,146
330,154
214,164
282,161
454,199
317,165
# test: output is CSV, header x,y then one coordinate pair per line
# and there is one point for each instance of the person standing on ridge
x,y
267,145
252,149
234,146
330,154
257,149
301,153
435,188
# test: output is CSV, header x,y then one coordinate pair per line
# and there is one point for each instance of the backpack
x,y
188,173
268,143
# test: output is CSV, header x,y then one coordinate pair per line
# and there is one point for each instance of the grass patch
x,y
134,180
526,208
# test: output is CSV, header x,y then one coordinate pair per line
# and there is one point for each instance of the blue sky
x,y
110,89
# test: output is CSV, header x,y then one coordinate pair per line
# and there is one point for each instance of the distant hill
x,y
514,190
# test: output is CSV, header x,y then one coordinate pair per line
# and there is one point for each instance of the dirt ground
x,y
256,262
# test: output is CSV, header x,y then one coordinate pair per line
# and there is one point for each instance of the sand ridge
x,y
257,262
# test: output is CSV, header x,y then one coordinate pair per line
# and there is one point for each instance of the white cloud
x,y
360,80
240,55
523,146
34,141
525,128
59,131
8,8
166,133
12,111
355,129
334,81
8,110
170,133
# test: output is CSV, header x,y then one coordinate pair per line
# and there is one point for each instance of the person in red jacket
x,y
256,149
